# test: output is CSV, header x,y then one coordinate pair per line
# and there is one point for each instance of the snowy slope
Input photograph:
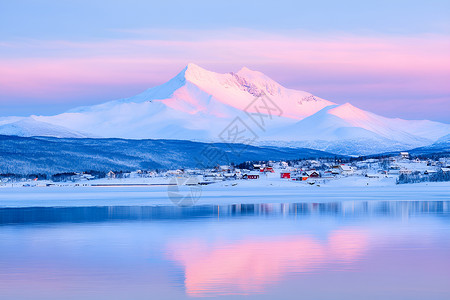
x,y
30,127
198,105
445,140
344,128
442,145
346,121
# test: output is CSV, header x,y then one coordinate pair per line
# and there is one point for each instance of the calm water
x,y
342,250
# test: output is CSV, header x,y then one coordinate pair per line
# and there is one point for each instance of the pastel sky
x,y
389,57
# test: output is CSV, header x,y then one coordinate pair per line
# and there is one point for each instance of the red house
x,y
252,176
286,175
267,169
313,174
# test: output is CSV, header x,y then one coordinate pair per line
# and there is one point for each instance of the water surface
x,y
335,250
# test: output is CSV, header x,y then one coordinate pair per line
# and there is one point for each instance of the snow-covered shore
x,y
227,192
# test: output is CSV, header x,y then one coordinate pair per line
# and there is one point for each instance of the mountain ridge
x,y
49,155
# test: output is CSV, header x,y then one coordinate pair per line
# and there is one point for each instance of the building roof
x,y
345,168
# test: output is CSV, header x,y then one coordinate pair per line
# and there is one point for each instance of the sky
x,y
389,57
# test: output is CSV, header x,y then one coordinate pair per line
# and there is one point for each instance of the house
x,y
174,172
285,175
312,173
136,174
345,170
111,175
86,176
404,155
267,169
224,168
208,177
230,176
251,176
328,174
369,175
445,170
431,163
335,170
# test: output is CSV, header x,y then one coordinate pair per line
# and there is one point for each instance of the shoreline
x,y
216,194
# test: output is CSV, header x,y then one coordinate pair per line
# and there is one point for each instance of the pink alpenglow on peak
x,y
239,89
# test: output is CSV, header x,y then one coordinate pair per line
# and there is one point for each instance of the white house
x,y
346,170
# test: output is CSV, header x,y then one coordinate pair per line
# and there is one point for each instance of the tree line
x,y
416,177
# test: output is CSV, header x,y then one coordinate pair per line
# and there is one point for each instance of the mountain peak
x,y
253,82
348,111
193,67
195,73
246,71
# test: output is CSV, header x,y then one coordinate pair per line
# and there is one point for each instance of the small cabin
x,y
285,175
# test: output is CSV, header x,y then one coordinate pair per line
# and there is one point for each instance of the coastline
x,y
220,193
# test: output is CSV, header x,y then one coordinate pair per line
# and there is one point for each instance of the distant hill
x,y
441,146
25,155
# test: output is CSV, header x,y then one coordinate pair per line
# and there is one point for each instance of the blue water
x,y
342,250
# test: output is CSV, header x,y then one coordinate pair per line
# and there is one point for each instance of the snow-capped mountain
x,y
201,105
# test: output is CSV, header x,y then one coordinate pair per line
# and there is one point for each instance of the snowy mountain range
x,y
201,105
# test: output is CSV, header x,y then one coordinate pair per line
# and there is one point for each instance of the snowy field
x,y
227,192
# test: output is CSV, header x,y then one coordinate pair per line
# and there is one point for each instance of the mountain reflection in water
x,y
228,250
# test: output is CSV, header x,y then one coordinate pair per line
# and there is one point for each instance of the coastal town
x,y
392,170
